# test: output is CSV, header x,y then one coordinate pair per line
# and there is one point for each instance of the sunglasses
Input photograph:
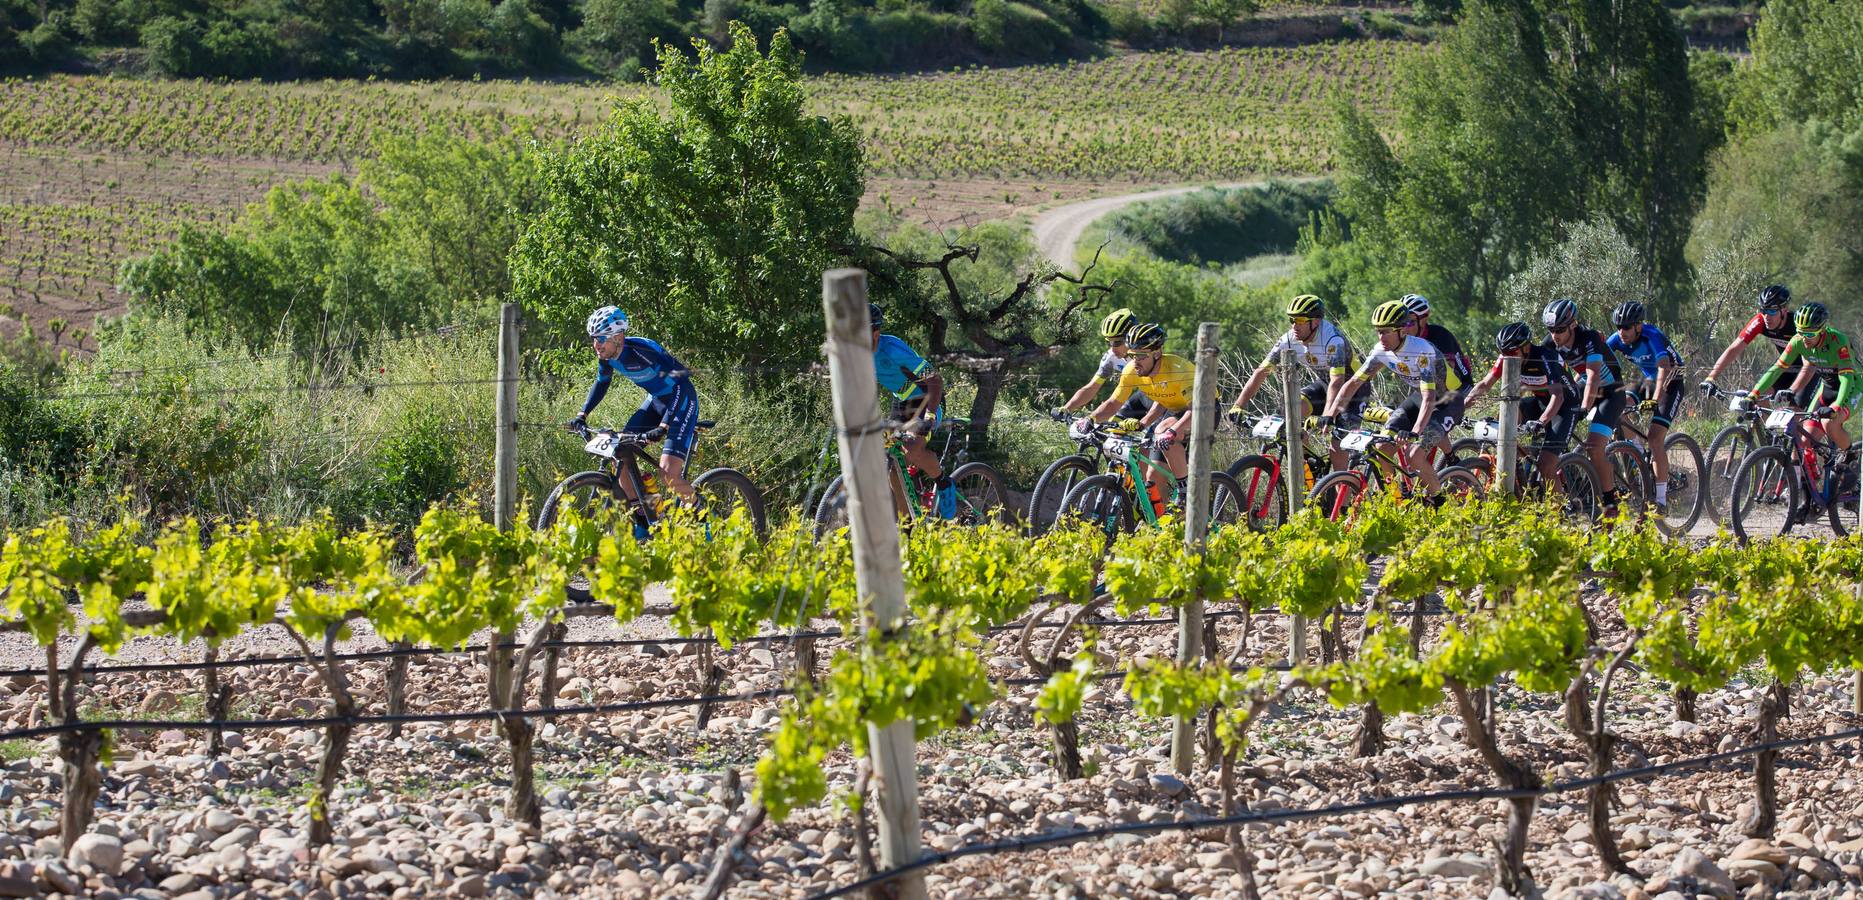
x,y
1560,330
1383,331
1299,320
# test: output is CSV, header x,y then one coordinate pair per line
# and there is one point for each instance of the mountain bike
x,y
1061,476
1263,491
1687,487
627,480
1575,478
1118,499
1732,444
981,497
1790,483
1375,465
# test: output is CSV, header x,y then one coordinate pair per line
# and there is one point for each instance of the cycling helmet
x,y
876,317
1811,318
1117,323
1774,297
1511,335
1307,306
1418,304
1145,337
607,322
1560,313
1628,313
1390,314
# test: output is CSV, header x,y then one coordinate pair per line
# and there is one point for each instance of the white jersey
x,y
1416,361
1111,366
1328,352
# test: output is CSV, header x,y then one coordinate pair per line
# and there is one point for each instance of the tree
x,y
1595,265
1220,14
710,221
1805,66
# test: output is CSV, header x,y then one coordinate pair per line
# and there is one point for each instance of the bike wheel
x,y
1843,508
1336,494
1052,487
1465,449
1766,494
1260,491
1460,483
592,494
723,491
981,497
1226,509
1578,484
1101,500
1630,475
831,509
1729,447
1686,501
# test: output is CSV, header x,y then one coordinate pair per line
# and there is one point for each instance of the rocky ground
x,y
638,804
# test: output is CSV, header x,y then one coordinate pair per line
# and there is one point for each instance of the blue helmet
x,y
607,322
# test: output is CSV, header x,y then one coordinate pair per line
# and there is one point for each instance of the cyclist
x,y
1454,360
1168,381
1548,388
1820,345
1419,364
1661,393
1320,348
1113,330
1584,352
918,402
671,400
1774,321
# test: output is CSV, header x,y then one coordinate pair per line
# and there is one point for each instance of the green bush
x,y
410,469
1221,226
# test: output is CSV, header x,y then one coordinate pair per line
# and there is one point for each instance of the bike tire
x,y
1631,476
1730,445
1464,449
831,509
1337,493
1753,509
1052,488
981,497
1845,511
1686,468
725,490
1226,510
1578,481
597,485
1462,483
1100,499
1260,490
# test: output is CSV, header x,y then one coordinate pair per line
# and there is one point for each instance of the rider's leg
x,y
919,456
681,421
1834,426
1419,459
1659,461
1175,458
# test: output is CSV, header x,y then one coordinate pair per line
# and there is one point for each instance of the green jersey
x,y
1833,356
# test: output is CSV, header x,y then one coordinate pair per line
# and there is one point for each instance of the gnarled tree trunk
x,y
1774,704
1513,863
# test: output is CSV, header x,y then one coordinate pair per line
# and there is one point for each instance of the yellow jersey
x,y
1169,385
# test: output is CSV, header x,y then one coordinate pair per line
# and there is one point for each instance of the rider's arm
x,y
1251,386
598,390
1554,402
1338,403
1156,412
1594,382
1085,394
1481,387
1848,386
1665,373
933,383
1128,383
1742,338
1778,368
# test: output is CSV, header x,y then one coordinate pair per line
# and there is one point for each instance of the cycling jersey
x,y
1110,366
646,364
1327,352
1834,356
898,368
1648,352
1169,384
1779,336
1588,347
1542,373
1416,361
1451,349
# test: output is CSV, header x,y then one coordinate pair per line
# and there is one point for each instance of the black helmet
x,y
876,315
1628,313
1145,337
1560,313
1775,297
1511,335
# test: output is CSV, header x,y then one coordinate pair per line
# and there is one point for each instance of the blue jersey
x,y
898,368
1651,346
646,364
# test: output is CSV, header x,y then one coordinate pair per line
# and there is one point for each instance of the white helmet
x,y
607,322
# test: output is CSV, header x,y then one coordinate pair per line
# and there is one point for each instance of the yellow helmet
x,y
1117,323
1390,315
1306,306
1146,337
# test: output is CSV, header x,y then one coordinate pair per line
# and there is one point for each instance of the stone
x,y
1818,868
1747,872
469,886
242,836
138,768
1168,785
1690,863
1759,848
1456,867
18,880
60,879
103,852
219,821
180,883
1216,859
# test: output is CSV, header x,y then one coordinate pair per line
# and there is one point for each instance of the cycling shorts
x,y
1314,392
914,408
1668,406
1443,419
1609,410
1557,433
679,413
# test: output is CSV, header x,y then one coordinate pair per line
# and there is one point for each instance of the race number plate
x,y
1780,420
1118,448
603,444
1269,427
1358,440
1488,430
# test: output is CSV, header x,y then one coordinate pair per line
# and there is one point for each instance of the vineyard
x,y
1485,678
98,169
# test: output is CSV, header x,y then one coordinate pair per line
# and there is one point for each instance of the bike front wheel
x,y
1766,495
981,497
1686,498
722,492
1729,447
1101,500
1630,476
1845,513
594,495
1052,487
1336,494
1260,493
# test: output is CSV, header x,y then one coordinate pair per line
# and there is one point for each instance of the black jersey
x,y
1588,347
1453,358
1542,373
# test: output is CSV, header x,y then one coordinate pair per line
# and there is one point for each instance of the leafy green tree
x,y
1805,66
457,205
711,221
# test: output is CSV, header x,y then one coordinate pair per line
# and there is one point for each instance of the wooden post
x,y
1856,692
1196,526
1294,470
1507,458
878,578
504,481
